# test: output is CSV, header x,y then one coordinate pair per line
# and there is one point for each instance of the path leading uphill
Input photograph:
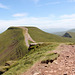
x,y
27,36
64,65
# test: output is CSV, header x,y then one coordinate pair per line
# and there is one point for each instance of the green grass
x,y
49,57
41,36
72,34
3,68
7,67
12,45
70,43
32,57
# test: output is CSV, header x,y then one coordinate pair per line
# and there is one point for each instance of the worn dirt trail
x,y
27,36
64,65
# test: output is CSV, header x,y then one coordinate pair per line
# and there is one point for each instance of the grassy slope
x,y
12,45
41,36
72,34
32,57
37,54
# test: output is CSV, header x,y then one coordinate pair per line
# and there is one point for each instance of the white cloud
x,y
3,6
41,22
68,16
20,14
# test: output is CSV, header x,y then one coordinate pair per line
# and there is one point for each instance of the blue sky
x,y
39,13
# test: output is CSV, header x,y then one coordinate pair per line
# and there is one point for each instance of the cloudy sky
x,y
39,13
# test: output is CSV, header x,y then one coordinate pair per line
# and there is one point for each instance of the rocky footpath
x,y
64,65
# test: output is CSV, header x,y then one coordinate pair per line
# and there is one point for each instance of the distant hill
x,y
62,33
72,34
67,35
72,30
54,30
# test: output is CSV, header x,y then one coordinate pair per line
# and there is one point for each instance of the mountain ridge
x,y
16,40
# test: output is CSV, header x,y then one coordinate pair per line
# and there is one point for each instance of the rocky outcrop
x,y
34,45
67,35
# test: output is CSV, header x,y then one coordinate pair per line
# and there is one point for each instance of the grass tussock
x,y
50,58
70,43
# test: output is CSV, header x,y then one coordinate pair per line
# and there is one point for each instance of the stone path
x,y
27,36
64,65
